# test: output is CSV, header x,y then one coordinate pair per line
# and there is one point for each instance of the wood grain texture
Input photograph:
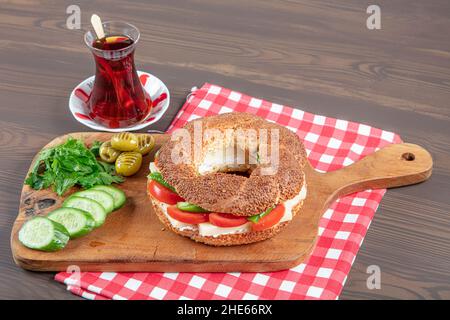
x,y
133,240
314,55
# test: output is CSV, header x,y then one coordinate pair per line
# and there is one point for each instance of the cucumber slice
x,y
157,176
88,205
77,222
186,206
102,197
40,233
258,217
117,194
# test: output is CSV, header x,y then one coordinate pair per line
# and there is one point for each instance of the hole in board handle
x,y
408,156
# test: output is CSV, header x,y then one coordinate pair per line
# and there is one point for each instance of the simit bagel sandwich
x,y
228,179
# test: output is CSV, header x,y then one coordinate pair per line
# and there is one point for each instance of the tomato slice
x,y
226,220
269,220
187,217
162,193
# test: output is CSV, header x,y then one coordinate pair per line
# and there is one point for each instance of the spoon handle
x,y
98,27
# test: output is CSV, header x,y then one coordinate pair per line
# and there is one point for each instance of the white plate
x,y
156,89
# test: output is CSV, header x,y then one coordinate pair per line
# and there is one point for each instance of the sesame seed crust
x,y
231,193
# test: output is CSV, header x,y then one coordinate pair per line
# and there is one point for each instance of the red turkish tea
x,y
117,99
112,43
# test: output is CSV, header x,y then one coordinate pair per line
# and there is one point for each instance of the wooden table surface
x,y
317,55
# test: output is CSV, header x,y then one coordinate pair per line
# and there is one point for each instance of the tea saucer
x,y
154,87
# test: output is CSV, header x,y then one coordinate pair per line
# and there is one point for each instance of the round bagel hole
x,y
408,156
240,173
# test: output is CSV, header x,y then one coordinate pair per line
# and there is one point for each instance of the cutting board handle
x,y
392,166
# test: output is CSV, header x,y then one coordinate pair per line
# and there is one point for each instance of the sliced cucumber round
x,y
41,233
102,197
186,206
77,222
88,205
117,194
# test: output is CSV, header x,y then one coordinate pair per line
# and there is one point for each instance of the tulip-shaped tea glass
x,y
117,99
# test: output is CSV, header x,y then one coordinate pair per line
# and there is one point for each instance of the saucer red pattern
x,y
156,89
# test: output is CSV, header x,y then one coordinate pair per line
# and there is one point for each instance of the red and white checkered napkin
x,y
331,144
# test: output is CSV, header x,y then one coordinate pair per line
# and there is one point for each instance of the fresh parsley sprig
x,y
69,164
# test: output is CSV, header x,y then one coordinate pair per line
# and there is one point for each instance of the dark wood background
x,y
317,55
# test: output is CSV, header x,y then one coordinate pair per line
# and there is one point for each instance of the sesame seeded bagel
x,y
242,190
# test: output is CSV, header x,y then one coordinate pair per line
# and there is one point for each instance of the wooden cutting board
x,y
132,238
